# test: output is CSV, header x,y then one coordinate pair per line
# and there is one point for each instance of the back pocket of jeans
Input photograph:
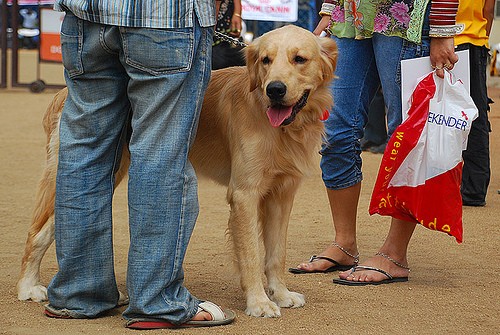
x,y
159,51
71,44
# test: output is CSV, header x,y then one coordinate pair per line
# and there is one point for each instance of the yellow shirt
x,y
470,13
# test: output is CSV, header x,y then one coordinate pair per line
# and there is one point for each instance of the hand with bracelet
x,y
442,32
235,27
326,17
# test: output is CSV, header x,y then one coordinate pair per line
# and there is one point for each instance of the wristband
x,y
326,9
446,31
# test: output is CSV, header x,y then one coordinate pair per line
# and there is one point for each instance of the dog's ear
x,y
252,60
329,54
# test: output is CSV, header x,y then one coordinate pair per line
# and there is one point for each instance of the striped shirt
x,y
142,13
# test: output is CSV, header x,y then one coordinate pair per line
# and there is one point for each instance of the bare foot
x,y
208,311
202,316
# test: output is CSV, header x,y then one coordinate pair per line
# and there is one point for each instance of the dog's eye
x,y
300,60
266,60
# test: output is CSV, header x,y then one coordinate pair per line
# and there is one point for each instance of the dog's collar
x,y
325,115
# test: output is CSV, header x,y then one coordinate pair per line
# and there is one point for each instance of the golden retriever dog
x,y
259,133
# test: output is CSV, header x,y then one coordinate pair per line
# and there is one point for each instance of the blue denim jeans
x,y
362,66
156,79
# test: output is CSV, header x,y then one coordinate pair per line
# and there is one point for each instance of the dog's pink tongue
x,y
277,115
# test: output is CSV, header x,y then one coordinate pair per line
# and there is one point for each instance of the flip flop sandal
x,y
335,267
390,279
219,318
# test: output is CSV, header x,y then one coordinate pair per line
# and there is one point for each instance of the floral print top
x,y
361,18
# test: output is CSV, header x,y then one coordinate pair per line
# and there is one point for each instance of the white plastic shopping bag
x,y
421,170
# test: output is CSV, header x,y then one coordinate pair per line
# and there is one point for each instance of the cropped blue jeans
x,y
154,80
362,66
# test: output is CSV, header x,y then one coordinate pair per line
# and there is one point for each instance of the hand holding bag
x,y
421,171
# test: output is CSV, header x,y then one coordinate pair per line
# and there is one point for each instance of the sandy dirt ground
x,y
453,288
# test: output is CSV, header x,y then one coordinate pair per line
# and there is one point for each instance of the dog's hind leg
x,y
41,233
276,214
40,237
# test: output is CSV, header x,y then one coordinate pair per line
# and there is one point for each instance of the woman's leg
x,y
391,258
344,207
392,252
353,90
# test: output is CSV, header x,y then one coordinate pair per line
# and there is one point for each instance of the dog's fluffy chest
x,y
284,153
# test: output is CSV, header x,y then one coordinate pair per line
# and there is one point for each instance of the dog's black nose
x,y
276,90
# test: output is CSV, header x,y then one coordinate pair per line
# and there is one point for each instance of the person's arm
x,y
237,8
236,19
326,14
489,14
443,29
217,6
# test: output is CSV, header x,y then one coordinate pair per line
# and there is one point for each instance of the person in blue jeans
x,y
372,38
142,66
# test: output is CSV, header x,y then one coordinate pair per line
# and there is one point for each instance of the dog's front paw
x,y
35,293
264,309
289,299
